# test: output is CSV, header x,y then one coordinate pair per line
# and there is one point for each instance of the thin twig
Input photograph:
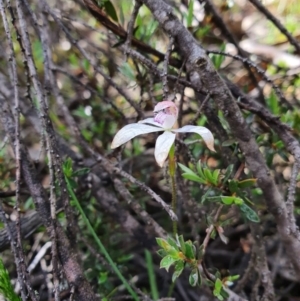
x,y
144,187
143,214
180,111
277,23
244,280
165,68
292,191
210,229
261,266
259,70
199,111
131,22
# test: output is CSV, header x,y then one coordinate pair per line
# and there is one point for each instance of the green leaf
x,y
135,29
174,254
227,174
218,285
238,201
73,183
227,200
37,50
209,283
215,175
190,175
127,71
247,200
246,183
73,60
279,144
189,251
190,13
199,278
228,281
224,295
218,59
200,170
214,198
86,65
273,103
179,266
219,296
204,197
163,243
208,175
182,244
110,10
102,277
233,186
283,155
217,274
166,262
194,178
200,252
233,277
186,170
249,213
193,278
213,234
80,172
67,168
173,243
162,252
149,30
228,142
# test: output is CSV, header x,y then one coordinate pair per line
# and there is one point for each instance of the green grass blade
x,y
6,289
99,243
151,275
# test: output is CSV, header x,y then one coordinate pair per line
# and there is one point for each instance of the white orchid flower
x,y
166,114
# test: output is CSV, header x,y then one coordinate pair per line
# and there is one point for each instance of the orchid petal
x,y
150,121
166,121
205,133
167,114
130,131
163,146
167,104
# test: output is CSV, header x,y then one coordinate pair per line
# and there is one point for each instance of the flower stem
x,y
172,172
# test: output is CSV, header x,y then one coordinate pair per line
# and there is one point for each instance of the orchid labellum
x,y
166,114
